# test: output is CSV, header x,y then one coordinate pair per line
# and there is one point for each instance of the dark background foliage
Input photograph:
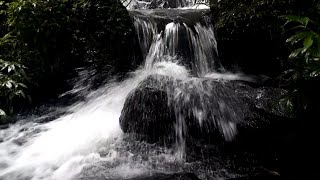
x,y
250,33
50,39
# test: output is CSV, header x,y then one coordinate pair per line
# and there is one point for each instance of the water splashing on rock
x,y
180,93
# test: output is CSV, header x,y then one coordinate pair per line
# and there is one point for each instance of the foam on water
x,y
182,4
61,148
88,137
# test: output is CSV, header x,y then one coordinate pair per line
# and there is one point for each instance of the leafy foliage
x,y
304,59
257,31
11,75
250,33
245,17
47,40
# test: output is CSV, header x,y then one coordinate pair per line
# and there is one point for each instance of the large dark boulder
x,y
175,176
216,118
152,176
146,111
204,108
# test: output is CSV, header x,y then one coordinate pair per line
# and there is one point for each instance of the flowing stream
x,y
87,142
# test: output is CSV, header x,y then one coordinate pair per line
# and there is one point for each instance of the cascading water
x,y
61,148
191,44
194,44
153,4
87,141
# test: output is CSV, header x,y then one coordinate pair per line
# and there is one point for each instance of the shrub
x,y
50,39
304,61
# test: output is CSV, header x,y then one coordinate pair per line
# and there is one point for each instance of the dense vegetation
x,y
304,61
253,34
43,42
280,39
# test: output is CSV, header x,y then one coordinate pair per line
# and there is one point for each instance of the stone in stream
x,y
149,113
154,4
5,126
176,176
158,176
205,109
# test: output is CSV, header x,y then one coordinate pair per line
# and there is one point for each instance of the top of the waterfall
x,y
165,4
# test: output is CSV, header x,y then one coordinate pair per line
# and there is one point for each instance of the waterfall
x,y
194,45
88,137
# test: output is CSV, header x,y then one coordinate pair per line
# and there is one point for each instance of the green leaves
x,y
305,40
12,88
2,113
301,20
304,44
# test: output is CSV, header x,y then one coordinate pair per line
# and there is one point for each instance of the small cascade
x,y
146,30
192,45
154,4
204,46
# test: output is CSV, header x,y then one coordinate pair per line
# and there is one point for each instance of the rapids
x,y
86,141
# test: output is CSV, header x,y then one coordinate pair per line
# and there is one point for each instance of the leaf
x,y
8,84
4,65
11,68
308,42
299,19
22,72
298,37
295,53
20,93
22,85
296,28
12,95
314,74
289,104
29,98
2,113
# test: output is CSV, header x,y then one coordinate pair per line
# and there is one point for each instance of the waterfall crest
x,y
153,4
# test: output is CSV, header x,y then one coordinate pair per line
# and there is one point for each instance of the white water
x,y
64,146
185,4
202,45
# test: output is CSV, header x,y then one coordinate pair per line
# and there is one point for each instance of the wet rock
x,y
203,109
5,126
146,111
258,177
263,174
177,176
156,176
